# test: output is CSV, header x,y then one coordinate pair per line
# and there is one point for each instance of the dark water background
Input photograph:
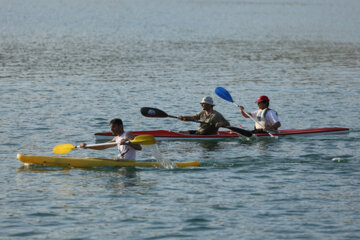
x,y
68,67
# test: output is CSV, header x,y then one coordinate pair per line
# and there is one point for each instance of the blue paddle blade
x,y
224,94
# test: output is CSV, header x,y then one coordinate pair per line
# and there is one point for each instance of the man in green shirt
x,y
212,119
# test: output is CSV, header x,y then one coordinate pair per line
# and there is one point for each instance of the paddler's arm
x,y
272,121
130,136
274,127
83,146
241,108
186,118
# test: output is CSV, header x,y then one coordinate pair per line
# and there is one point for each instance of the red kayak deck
x,y
313,131
223,135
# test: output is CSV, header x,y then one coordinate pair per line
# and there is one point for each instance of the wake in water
x,y
166,163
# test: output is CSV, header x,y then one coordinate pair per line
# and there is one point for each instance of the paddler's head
x,y
263,102
116,126
207,103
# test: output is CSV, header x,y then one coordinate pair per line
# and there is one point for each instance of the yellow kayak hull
x,y
92,162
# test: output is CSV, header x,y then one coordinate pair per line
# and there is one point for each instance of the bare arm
x,y
241,108
186,118
135,146
83,145
274,127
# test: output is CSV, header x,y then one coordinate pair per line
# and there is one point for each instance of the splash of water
x,y
336,159
166,163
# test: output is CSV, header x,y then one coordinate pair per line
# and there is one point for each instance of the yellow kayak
x,y
92,162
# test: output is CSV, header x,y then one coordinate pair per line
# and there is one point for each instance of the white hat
x,y
208,100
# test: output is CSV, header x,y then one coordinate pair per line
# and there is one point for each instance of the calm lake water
x,y
68,67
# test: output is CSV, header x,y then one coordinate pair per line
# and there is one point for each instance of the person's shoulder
x,y
217,113
199,113
271,110
129,135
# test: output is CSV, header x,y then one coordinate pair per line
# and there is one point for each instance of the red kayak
x,y
223,135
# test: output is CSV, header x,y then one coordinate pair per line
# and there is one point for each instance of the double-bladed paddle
x,y
157,113
141,139
224,94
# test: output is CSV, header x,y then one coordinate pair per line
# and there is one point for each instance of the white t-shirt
x,y
270,116
125,151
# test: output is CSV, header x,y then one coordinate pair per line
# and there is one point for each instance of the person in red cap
x,y
267,117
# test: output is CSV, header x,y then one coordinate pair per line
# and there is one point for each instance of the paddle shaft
x,y
249,116
224,94
154,112
160,113
234,129
141,139
98,145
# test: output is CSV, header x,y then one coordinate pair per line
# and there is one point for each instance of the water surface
x,y
68,67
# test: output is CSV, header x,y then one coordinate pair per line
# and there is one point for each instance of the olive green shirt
x,y
212,118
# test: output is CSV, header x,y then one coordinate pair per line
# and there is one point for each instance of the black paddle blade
x,y
240,131
153,112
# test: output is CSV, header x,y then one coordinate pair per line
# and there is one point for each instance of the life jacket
x,y
260,117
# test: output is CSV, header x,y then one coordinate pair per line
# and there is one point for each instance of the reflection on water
x,y
121,179
115,178
210,146
36,168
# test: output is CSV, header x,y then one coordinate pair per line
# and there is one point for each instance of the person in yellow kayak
x,y
267,117
127,149
211,119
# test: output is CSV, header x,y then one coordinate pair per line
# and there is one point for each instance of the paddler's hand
x,y
181,118
83,145
274,127
124,141
246,115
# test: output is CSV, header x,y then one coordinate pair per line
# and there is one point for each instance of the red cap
x,y
263,99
